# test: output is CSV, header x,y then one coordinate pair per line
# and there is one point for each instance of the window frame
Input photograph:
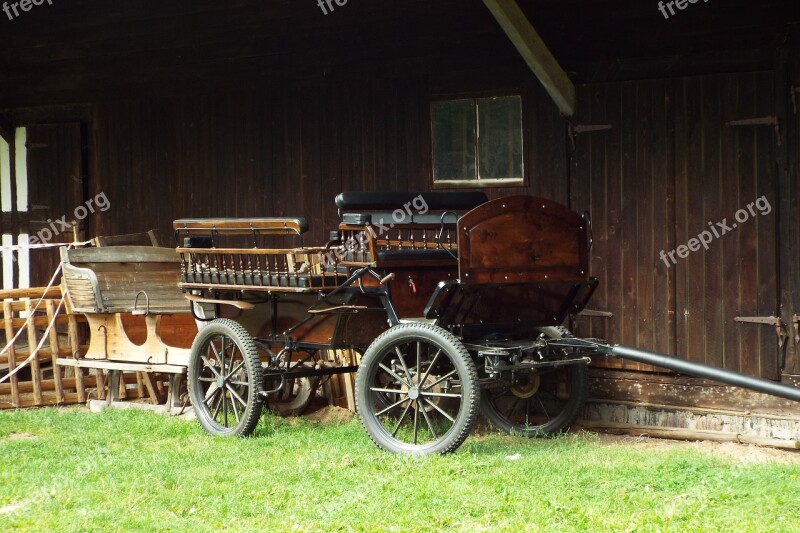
x,y
479,182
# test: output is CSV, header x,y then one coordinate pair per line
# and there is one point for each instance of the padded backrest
x,y
434,201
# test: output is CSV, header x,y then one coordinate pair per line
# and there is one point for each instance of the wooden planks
x,y
667,169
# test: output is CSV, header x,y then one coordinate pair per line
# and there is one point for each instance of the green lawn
x,y
69,470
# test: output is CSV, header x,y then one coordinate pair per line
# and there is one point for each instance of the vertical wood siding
x,y
669,166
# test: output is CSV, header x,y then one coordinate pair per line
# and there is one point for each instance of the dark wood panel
x,y
667,169
55,192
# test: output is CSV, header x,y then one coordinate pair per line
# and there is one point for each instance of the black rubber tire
x,y
436,389
235,412
558,399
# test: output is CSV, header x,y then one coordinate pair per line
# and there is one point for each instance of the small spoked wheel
x,y
537,403
225,379
417,391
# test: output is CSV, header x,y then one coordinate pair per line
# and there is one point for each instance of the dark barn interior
x,y
212,109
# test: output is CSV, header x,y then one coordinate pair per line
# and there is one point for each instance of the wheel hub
x,y
526,386
413,393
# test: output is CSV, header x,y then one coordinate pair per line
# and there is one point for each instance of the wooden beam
x,y
535,53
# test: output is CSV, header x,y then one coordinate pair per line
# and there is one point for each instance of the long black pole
x,y
705,371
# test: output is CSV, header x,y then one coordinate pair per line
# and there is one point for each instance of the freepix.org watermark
x,y
715,231
329,4
679,4
60,225
15,9
376,228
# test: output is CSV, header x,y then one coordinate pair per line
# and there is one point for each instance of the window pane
x,y
453,131
500,137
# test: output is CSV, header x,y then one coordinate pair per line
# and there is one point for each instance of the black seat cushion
x,y
439,254
436,201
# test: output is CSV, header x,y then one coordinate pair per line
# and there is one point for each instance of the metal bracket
x,y
770,120
794,91
775,321
796,322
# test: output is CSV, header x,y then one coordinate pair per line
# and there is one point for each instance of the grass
x,y
69,470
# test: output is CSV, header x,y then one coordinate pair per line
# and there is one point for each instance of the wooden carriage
x,y
443,295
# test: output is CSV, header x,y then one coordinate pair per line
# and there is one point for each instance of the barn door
x,y
726,175
665,185
55,192
41,172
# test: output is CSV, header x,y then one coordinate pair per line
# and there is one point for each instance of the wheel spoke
x,y
215,412
400,420
225,407
544,409
235,395
416,420
210,394
430,366
396,404
387,391
394,375
403,363
430,426
446,376
419,358
450,418
235,370
440,394
210,366
233,408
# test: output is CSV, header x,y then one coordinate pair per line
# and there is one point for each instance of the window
x,y
477,141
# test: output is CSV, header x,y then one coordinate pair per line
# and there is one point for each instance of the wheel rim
x,y
414,393
225,383
534,402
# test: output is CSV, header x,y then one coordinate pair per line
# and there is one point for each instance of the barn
x,y
674,124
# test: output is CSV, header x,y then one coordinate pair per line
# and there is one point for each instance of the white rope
x,y
38,346
15,247
30,317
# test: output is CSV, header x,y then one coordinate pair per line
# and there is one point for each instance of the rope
x,y
15,247
38,346
30,317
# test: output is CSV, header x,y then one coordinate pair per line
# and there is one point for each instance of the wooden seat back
x,y
108,280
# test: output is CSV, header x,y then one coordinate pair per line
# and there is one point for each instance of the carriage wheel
x,y
537,403
225,379
416,390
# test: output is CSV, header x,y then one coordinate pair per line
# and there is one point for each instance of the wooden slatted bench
x,y
231,254
111,284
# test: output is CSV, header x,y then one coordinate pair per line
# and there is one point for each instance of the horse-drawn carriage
x,y
452,304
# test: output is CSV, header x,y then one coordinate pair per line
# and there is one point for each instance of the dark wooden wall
x,y
669,166
284,152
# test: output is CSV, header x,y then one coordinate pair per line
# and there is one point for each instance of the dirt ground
x,y
740,453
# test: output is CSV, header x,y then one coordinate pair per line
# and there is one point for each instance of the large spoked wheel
x,y
225,379
417,391
537,403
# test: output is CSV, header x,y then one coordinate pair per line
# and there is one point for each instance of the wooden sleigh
x,y
138,319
